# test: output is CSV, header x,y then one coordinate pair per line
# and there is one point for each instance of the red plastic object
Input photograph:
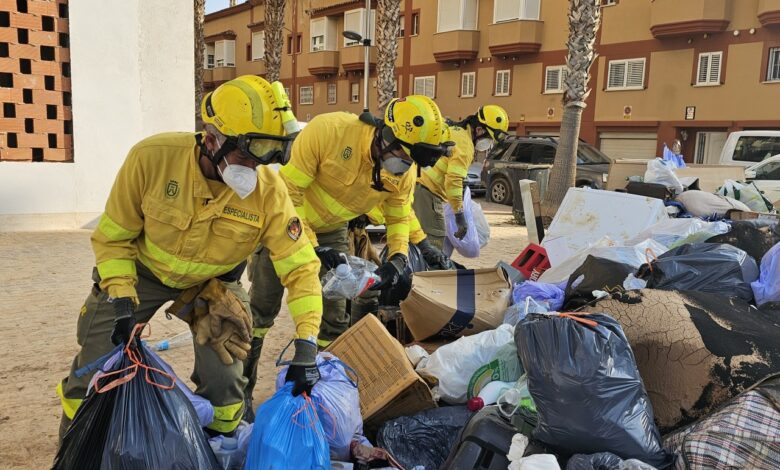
x,y
532,262
475,404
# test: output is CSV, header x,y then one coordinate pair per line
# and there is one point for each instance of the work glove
x,y
390,272
463,226
124,320
303,370
433,256
329,257
359,222
221,321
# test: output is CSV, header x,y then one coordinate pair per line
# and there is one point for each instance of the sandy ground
x,y
44,279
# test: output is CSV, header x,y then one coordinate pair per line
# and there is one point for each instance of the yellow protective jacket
x,y
163,213
329,179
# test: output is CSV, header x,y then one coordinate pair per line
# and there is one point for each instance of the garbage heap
x,y
642,332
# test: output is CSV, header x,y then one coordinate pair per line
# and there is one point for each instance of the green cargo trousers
x,y
266,292
220,384
429,209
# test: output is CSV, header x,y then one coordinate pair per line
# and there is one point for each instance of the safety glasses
x,y
264,149
427,154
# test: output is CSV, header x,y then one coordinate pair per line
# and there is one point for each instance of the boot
x,y
250,372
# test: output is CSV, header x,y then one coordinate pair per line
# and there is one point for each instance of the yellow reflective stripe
x,y
436,177
260,332
457,191
226,418
295,175
397,229
116,268
376,216
178,267
331,204
323,343
69,405
457,170
113,231
289,264
394,211
306,304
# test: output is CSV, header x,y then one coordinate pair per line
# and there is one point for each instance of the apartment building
x,y
692,70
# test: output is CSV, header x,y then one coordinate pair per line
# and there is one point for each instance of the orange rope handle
x,y
650,256
332,420
577,318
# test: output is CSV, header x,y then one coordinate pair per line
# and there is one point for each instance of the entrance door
x,y
709,145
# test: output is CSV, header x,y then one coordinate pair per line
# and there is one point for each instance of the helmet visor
x,y
265,149
427,154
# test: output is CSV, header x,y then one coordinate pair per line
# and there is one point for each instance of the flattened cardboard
x,y
456,303
711,177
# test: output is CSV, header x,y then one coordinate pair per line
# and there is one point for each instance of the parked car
x,y
766,176
473,179
749,147
519,157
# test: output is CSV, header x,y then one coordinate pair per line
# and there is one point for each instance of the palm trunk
x,y
584,20
388,12
274,39
200,11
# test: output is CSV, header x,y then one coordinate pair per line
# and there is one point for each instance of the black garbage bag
x,y
393,295
589,396
594,274
599,461
703,267
425,438
756,237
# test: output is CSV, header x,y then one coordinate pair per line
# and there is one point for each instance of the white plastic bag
x,y
674,232
660,172
745,193
480,221
454,364
469,246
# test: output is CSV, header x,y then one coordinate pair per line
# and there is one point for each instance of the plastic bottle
x,y
349,280
489,394
174,341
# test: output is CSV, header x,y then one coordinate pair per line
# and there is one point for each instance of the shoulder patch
x,y
294,228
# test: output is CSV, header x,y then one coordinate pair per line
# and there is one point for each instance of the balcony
x,y
323,62
675,18
769,12
516,37
352,58
455,46
222,74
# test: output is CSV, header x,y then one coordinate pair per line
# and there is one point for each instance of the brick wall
x,y
35,119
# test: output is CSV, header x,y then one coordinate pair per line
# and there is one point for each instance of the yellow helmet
x,y
495,121
253,114
417,125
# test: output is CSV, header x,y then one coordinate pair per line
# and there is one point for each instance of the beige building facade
x,y
692,70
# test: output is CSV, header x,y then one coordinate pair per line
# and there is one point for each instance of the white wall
x,y
132,76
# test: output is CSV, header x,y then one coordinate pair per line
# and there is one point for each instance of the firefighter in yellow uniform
x,y
185,212
444,182
342,165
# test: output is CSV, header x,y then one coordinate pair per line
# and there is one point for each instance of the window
x,y
225,53
708,72
508,10
353,21
456,15
401,30
298,44
626,74
773,71
522,153
606,3
544,155
415,24
756,148
208,59
554,78
395,88
317,30
502,82
354,92
289,44
425,86
258,45
467,81
287,91
332,93
306,95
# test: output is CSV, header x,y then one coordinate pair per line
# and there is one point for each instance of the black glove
x,y
433,256
463,226
124,321
303,370
390,271
359,222
329,257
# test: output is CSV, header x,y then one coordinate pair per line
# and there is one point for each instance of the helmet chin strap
x,y
376,171
216,157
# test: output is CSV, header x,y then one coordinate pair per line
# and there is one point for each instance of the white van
x,y
746,148
766,176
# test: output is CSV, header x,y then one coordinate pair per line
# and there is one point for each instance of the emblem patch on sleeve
x,y
294,228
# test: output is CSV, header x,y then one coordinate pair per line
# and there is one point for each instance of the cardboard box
x,y
711,177
456,303
388,385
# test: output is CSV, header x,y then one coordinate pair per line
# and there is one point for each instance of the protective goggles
x,y
497,134
264,149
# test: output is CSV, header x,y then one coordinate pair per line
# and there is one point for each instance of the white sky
x,y
214,5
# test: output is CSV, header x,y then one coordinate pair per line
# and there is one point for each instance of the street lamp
x,y
366,41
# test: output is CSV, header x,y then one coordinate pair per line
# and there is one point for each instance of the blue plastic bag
x,y
548,295
469,246
338,403
287,434
673,159
767,287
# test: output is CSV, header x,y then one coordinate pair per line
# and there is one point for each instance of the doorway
x,y
709,145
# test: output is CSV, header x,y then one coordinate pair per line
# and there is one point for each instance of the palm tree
x,y
274,24
584,21
388,12
200,12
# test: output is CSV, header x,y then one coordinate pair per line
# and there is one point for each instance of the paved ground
x,y
44,278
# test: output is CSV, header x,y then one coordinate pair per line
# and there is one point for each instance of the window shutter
x,y
635,78
258,45
530,9
553,79
430,87
715,60
704,62
353,21
505,10
419,86
230,53
773,67
448,15
469,14
617,75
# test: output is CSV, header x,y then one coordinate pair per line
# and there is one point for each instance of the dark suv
x,y
519,158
